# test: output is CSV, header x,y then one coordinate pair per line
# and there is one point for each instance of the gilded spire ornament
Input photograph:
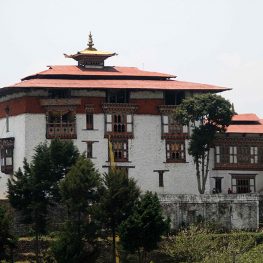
x,y
90,57
91,44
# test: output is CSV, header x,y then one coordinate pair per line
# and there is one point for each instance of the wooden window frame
x,y
218,184
238,185
119,123
233,154
120,154
7,155
170,126
90,150
172,155
89,121
61,129
254,154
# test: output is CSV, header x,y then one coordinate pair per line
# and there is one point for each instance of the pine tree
x,y
7,240
34,188
118,196
79,191
143,229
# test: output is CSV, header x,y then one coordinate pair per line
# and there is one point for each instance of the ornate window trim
x,y
120,150
175,151
119,107
7,152
239,153
61,129
119,119
170,129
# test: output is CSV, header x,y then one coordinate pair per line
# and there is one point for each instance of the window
x,y
7,111
160,176
89,150
120,150
61,124
217,154
117,96
89,121
175,151
254,154
174,97
232,154
243,184
170,125
161,179
119,123
218,184
7,148
243,154
222,154
239,155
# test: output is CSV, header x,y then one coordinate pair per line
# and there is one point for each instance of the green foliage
x,y
79,190
7,240
117,199
142,230
201,245
208,114
34,188
207,109
255,255
63,155
72,247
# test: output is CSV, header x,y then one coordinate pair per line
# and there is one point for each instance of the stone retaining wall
x,y
233,211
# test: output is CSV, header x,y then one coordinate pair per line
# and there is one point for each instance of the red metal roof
x,y
106,71
245,128
256,127
115,84
246,117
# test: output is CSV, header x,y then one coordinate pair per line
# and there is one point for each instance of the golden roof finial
x,y
90,44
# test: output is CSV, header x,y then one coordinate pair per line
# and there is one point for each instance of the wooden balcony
x,y
62,130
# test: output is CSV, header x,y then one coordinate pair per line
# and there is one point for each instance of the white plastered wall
x,y
16,130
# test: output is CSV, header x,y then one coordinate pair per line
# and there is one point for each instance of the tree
x,y
7,240
33,189
117,199
79,191
143,229
208,115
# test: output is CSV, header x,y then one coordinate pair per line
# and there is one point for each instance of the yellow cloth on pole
x,y
111,155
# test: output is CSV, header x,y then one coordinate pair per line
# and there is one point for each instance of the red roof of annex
x,y
246,123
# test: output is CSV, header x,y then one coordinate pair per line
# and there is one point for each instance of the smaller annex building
x,y
91,102
238,157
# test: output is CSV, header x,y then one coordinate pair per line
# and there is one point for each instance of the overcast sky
x,y
217,42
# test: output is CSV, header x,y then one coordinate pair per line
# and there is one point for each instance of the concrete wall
x,y
234,211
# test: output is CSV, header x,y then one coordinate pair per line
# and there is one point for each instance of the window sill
x,y
90,129
115,161
175,162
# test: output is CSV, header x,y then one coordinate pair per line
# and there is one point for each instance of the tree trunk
x,y
198,175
